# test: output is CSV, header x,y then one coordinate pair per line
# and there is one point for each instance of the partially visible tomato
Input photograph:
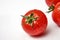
x,y
56,14
50,2
34,22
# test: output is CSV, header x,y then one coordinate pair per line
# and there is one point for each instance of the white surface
x,y
10,20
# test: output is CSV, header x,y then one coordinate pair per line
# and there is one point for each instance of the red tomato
x,y
34,22
52,2
56,14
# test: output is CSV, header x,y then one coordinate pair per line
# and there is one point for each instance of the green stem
x,y
30,19
51,8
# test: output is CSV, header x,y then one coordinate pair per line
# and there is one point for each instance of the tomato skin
x,y
56,14
50,2
39,26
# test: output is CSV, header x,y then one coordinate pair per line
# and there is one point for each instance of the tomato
x,y
34,22
50,2
56,14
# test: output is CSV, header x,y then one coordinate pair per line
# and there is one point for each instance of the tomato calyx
x,y
51,8
30,19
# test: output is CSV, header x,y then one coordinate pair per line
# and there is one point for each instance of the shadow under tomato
x,y
58,25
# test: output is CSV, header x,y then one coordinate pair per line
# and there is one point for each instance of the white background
x,y
10,20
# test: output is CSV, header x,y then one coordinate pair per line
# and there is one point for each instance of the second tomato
x,y
56,14
52,2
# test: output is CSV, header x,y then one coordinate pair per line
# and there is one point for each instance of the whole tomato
x,y
34,22
56,14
